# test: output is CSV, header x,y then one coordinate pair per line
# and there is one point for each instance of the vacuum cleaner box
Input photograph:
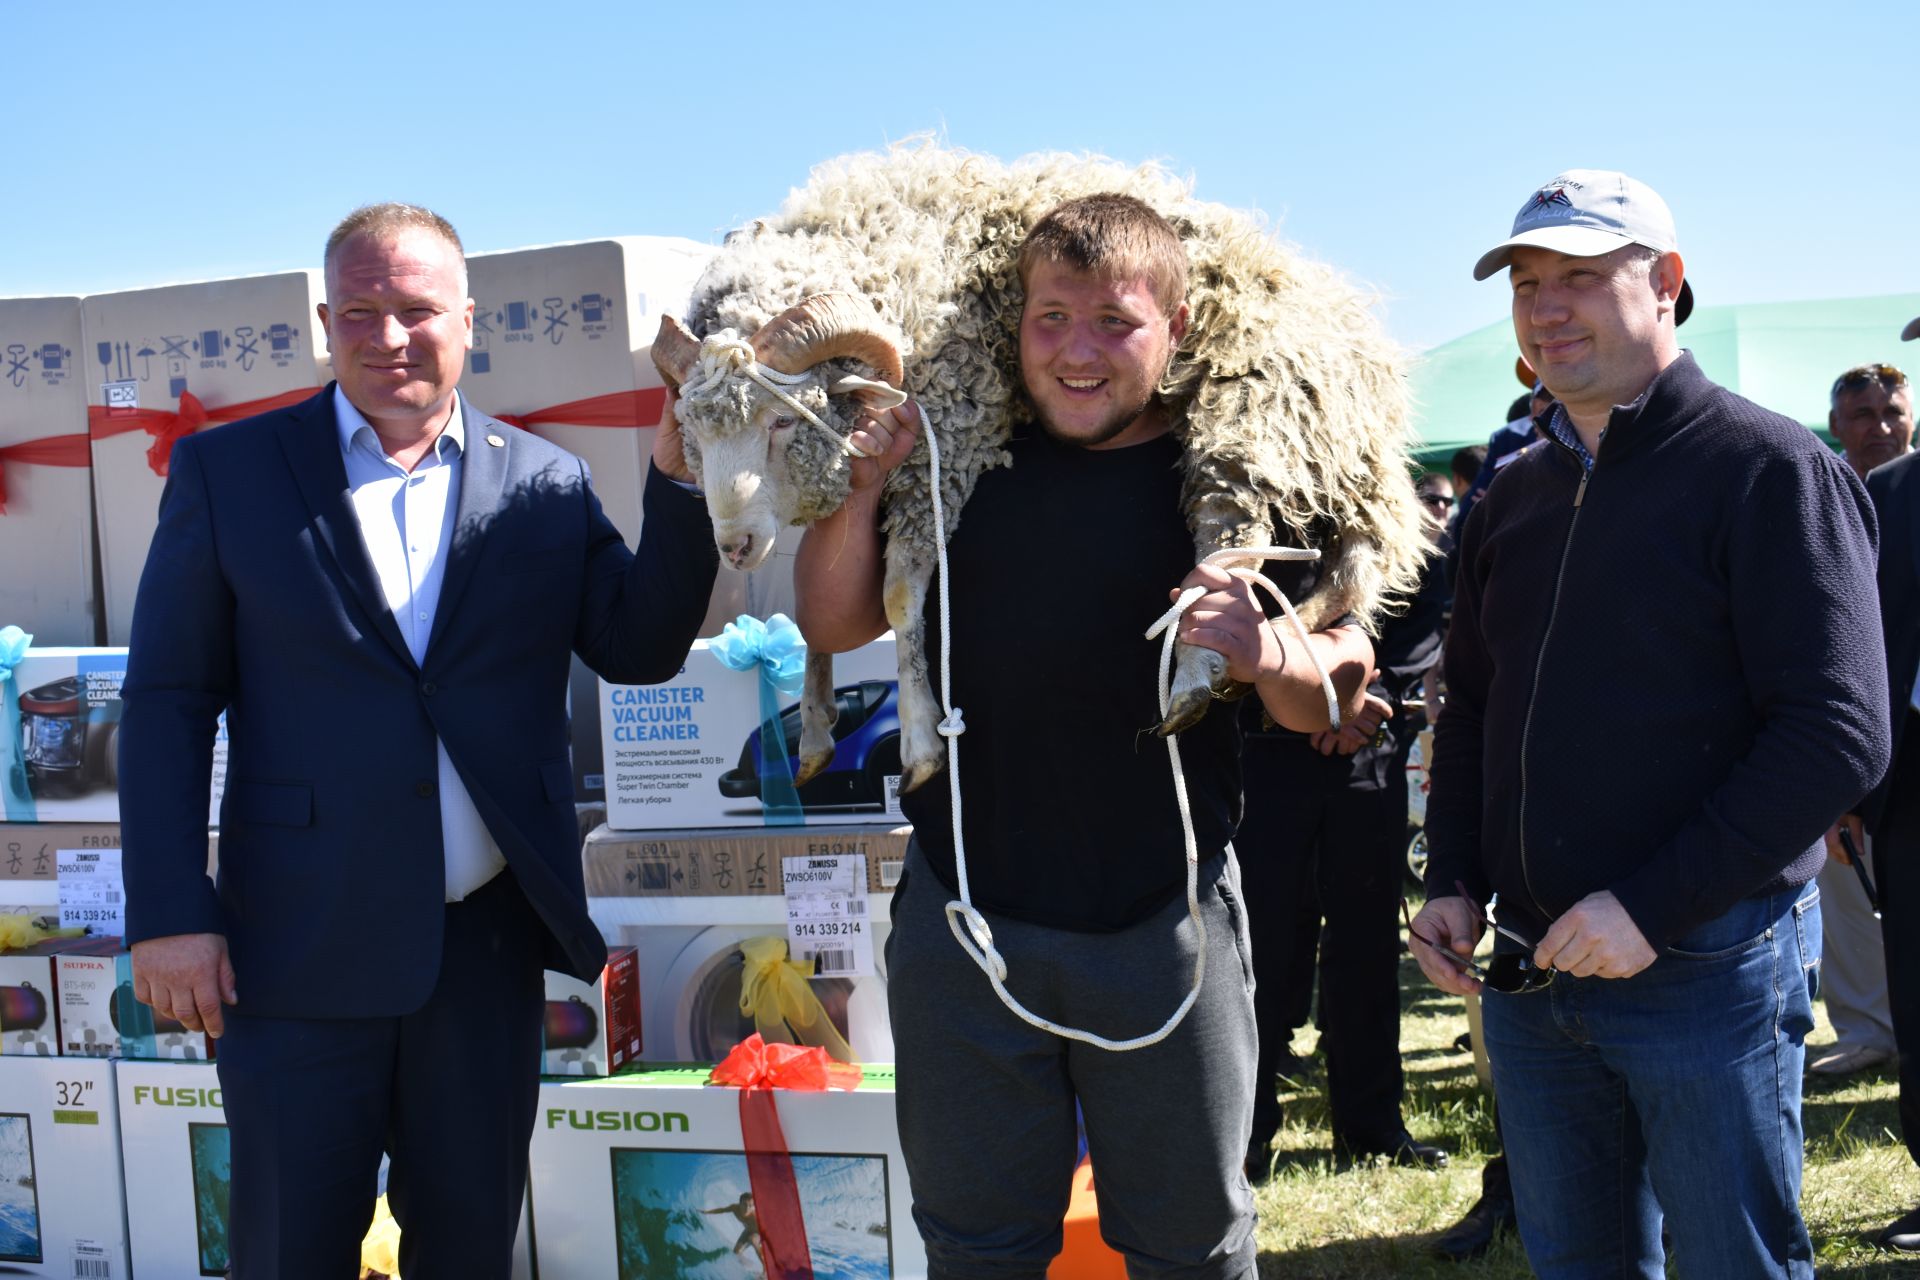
x,y
697,955
241,345
69,706
644,1177
62,1211
46,473
594,1029
686,753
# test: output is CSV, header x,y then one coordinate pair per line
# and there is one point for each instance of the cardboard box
x,y
685,753
229,342
86,980
46,472
730,862
69,701
691,965
640,1176
594,1029
179,1177
62,1211
30,858
146,1036
29,1002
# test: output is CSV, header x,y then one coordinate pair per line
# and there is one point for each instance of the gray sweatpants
x,y
986,1101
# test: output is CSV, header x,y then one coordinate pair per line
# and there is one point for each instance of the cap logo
x,y
1547,197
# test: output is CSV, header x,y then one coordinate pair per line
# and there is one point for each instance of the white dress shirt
x,y
406,520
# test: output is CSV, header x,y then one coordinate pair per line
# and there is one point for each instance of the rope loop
x,y
954,725
725,353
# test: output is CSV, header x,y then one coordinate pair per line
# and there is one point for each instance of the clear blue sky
x,y
149,142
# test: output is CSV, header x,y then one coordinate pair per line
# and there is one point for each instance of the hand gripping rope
x,y
718,357
976,937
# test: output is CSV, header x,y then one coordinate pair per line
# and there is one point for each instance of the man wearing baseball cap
x,y
1665,683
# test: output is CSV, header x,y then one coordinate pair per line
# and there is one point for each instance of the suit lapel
x,y
483,477
310,436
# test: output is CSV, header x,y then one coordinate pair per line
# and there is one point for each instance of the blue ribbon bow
x,y
777,649
19,799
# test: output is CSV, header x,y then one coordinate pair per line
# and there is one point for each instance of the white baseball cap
x,y
1585,213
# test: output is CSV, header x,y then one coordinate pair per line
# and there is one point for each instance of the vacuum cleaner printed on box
x,y
61,1208
687,753
68,701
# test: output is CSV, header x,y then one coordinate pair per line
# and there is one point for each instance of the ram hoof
x,y
1188,705
811,766
915,774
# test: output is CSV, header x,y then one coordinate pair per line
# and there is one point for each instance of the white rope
x,y
970,928
725,353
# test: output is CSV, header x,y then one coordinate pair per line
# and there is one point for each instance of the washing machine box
x,y
233,348
695,955
46,473
644,1177
69,706
62,1212
30,858
731,862
686,753
173,1140
594,1029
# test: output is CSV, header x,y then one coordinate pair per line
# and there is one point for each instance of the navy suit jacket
x,y
1895,490
259,599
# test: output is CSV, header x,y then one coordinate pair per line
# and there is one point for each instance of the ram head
x,y
759,459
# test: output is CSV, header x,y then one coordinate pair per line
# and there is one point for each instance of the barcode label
x,y
858,907
890,873
835,963
893,795
90,1262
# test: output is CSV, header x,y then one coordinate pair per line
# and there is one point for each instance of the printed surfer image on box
x,y
61,1206
64,761
689,752
644,1177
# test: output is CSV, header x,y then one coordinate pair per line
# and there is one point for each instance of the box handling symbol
x,y
594,307
556,319
17,363
249,343
210,344
53,357
280,337
518,321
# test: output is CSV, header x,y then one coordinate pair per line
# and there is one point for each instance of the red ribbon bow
x,y
167,426
619,409
757,1068
53,451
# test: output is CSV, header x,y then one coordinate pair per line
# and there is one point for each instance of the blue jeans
x,y
1675,1090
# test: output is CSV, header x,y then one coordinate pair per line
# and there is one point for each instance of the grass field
x,y
1317,1222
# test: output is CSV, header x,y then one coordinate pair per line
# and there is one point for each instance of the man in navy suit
x,y
381,588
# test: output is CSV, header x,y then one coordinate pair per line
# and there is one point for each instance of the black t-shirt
x,y
1059,565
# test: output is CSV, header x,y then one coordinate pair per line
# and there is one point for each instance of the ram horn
x,y
827,326
675,351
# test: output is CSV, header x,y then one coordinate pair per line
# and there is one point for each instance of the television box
x,y
691,966
62,1211
641,1177
730,862
46,467
593,1029
229,342
179,1175
685,753
70,708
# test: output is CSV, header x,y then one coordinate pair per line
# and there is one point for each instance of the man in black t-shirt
x,y
1073,847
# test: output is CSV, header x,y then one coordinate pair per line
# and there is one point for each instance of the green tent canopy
x,y
1784,355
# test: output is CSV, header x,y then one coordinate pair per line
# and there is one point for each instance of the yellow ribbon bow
x,y
774,991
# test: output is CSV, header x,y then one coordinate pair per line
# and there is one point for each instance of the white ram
x,y
900,267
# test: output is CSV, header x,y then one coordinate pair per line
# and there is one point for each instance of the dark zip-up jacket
x,y
1665,675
